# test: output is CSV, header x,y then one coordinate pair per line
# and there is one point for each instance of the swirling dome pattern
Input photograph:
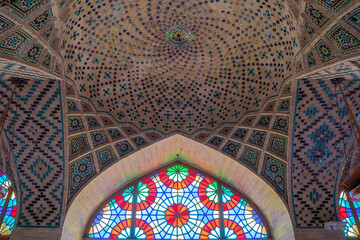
x,y
233,56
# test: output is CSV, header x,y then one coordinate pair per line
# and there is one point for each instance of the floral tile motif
x,y
41,20
23,7
324,51
278,144
115,133
139,141
124,148
98,138
274,170
75,123
105,156
81,171
34,53
78,144
318,17
333,5
281,123
240,133
257,138
251,158
215,141
231,148
92,122
264,121
13,44
343,40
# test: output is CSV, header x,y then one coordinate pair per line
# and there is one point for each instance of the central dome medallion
x,y
179,36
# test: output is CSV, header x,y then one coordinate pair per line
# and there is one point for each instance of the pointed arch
x,y
165,151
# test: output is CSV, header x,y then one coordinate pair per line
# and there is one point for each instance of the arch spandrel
x,y
162,152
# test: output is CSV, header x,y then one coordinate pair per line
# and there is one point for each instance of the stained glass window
x,y
178,203
7,206
347,216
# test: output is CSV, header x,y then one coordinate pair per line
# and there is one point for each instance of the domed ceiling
x,y
178,65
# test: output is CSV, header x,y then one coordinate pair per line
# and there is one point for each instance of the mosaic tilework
x,y
257,137
270,107
299,66
215,141
81,171
324,51
85,107
75,123
14,43
313,192
274,171
105,156
41,20
353,18
343,40
318,17
78,144
71,105
5,24
106,121
92,122
69,89
34,53
23,8
333,5
129,131
38,151
47,34
124,148
225,131
139,141
240,133
309,30
115,133
250,157
231,148
264,121
287,89
202,136
278,144
310,59
284,105
281,123
47,61
98,138
202,95
248,121
152,136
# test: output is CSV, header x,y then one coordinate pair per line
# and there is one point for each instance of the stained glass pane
x,y
8,222
347,216
241,221
176,203
114,220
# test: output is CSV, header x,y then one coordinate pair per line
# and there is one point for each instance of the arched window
x,y
349,211
7,205
177,202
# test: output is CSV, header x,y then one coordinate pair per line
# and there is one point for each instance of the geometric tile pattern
x,y
34,53
152,136
310,59
115,133
38,151
318,17
309,29
75,123
47,34
23,7
281,123
92,122
81,171
105,156
257,138
343,40
124,148
264,121
106,121
78,144
284,105
324,51
313,191
129,131
353,18
47,61
333,5
202,136
250,157
139,141
71,105
270,107
215,141
14,43
41,20
231,148
240,133
249,121
274,170
5,24
225,131
85,107
98,138
278,144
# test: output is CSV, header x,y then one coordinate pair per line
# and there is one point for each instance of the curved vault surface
x,y
236,55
